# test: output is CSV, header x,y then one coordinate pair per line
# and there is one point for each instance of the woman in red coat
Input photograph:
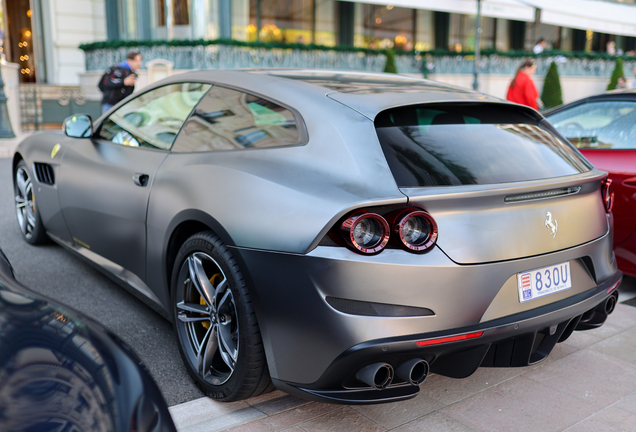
x,y
522,89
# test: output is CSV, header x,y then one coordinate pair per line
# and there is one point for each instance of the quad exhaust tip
x,y
377,375
413,371
380,375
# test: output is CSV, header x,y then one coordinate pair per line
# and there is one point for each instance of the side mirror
x,y
78,126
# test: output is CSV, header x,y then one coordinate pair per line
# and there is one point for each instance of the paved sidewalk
x,y
588,383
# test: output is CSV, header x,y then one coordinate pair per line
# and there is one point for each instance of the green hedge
x,y
552,95
114,44
389,66
617,73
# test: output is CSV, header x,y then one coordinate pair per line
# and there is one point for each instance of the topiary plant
x,y
616,74
551,95
389,66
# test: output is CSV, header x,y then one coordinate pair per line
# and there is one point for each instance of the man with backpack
x,y
119,81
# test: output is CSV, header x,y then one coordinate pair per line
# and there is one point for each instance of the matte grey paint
x,y
300,329
273,207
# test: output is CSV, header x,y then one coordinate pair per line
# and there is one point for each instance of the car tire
x,y
28,215
217,331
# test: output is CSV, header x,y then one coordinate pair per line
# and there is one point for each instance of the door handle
x,y
140,179
630,182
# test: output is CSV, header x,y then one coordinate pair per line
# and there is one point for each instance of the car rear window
x,y
446,145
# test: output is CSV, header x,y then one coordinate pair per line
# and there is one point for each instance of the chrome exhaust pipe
x,y
377,375
610,303
413,371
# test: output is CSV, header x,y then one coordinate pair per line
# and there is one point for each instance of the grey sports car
x,y
338,235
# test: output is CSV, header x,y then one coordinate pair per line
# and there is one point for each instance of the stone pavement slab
x,y
588,383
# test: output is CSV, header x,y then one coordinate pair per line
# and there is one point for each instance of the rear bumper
x,y
326,314
514,341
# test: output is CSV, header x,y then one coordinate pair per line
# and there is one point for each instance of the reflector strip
x,y
449,339
614,286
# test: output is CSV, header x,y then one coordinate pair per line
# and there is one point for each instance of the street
x,y
54,272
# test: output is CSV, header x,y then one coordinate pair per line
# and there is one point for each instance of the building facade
x,y
42,36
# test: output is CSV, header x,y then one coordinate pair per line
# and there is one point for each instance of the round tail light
x,y
607,189
417,230
365,232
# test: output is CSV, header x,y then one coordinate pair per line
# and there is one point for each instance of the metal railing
x,y
232,57
45,106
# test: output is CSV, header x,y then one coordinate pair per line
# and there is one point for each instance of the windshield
x,y
472,144
598,125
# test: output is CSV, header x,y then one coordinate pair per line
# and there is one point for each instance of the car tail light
x,y
607,190
416,230
365,232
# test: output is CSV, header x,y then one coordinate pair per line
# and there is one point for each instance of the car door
x,y
105,181
605,132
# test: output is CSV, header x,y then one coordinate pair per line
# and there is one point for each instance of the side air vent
x,y
355,307
543,194
44,173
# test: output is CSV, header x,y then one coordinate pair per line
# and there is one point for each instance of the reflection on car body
x,y
335,234
61,371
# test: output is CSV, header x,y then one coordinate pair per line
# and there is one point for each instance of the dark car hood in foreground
x,y
60,371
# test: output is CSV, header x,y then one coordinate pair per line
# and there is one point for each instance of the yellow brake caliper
x,y
202,301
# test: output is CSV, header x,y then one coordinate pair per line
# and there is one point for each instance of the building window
x,y
289,21
442,29
161,13
517,35
424,35
180,12
325,19
384,27
21,39
462,32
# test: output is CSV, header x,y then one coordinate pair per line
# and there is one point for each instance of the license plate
x,y
544,281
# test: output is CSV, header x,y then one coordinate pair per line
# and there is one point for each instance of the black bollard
x,y
5,123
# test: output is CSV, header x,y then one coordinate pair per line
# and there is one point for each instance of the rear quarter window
x,y
227,119
447,145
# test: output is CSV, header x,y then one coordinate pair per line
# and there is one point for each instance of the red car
x,y
603,128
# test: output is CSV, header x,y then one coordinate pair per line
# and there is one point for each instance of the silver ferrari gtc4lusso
x,y
336,234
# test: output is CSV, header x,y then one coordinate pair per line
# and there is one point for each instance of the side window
x,y
153,119
598,125
227,119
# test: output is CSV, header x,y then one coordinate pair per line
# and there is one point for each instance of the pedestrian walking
x,y
119,81
522,89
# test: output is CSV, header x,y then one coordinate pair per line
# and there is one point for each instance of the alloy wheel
x,y
24,202
207,319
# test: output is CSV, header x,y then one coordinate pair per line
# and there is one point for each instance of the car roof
x,y
613,95
366,92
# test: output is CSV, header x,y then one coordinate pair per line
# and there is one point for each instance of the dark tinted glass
x,y
441,145
228,119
